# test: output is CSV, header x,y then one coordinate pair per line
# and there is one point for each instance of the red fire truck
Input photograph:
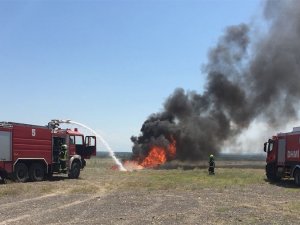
x,y
31,152
283,157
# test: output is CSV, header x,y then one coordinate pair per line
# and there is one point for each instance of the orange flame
x,y
159,155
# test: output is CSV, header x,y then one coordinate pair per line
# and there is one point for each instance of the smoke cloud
x,y
248,77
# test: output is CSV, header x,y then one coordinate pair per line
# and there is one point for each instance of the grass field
x,y
99,175
237,194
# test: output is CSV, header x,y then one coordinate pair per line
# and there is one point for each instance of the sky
x,y
107,64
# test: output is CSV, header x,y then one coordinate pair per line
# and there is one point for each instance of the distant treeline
x,y
238,157
121,155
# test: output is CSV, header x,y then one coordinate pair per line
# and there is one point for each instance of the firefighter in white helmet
x,y
211,163
63,157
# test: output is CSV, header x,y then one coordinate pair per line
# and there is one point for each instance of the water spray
x,y
111,152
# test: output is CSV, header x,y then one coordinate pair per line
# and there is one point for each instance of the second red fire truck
x,y
31,152
283,156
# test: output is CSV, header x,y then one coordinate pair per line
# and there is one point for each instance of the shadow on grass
x,y
62,177
53,178
57,178
286,183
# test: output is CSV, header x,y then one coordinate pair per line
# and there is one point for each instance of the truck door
x,y
5,146
90,145
72,146
281,151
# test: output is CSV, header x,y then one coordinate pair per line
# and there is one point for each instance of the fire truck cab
x,y
283,158
31,152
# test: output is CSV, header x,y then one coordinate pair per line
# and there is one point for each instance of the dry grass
x,y
233,196
98,176
99,170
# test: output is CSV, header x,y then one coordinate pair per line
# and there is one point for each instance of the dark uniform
x,y
211,163
63,157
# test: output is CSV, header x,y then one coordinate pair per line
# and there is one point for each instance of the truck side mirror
x,y
265,147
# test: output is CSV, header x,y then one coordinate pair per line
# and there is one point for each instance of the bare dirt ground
x,y
102,196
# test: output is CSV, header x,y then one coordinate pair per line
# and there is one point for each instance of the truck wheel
x,y
83,163
297,177
75,170
36,172
21,172
271,173
3,176
3,181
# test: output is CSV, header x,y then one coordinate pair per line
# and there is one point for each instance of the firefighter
x,y
63,157
211,163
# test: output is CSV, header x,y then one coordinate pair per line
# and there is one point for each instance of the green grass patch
x,y
192,179
163,179
99,176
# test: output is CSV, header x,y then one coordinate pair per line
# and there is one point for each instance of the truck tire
x,y
271,173
36,172
75,170
3,176
297,177
21,172
3,181
83,163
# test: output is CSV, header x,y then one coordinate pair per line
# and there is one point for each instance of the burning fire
x,y
157,155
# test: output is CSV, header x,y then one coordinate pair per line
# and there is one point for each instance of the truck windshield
x,y
78,140
270,145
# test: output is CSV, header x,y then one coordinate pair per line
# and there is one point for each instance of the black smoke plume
x,y
249,76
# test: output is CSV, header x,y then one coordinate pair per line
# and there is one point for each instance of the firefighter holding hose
x,y
63,157
211,163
